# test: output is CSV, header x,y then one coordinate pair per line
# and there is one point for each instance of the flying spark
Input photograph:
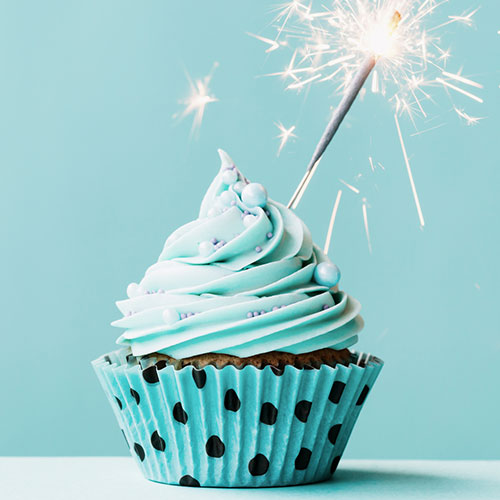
x,y
273,45
470,120
352,188
198,99
284,135
410,175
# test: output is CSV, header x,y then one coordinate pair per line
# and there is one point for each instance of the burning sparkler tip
x,y
396,18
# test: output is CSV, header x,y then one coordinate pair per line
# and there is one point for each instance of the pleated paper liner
x,y
233,427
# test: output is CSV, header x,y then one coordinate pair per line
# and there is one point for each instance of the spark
x,y
460,78
285,134
371,163
464,19
332,222
365,221
352,188
470,120
460,90
273,45
198,99
420,132
410,175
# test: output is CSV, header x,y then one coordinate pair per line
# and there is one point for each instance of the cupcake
x,y
234,368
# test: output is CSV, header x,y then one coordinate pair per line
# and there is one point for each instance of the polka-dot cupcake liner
x,y
235,427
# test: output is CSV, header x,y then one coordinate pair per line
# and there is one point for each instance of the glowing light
x,y
285,134
328,43
198,99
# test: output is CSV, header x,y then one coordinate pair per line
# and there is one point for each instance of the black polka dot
x,y
140,451
277,371
302,460
333,433
258,465
200,377
302,410
188,481
135,395
336,391
363,395
335,464
179,414
119,403
215,447
231,401
125,437
268,414
161,364
157,441
150,375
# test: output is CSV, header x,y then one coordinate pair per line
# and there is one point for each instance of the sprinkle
x,y
183,315
258,249
256,313
269,235
214,241
189,314
249,314
275,308
325,307
262,312
268,213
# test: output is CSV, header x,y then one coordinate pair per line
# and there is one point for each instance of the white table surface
x,y
96,478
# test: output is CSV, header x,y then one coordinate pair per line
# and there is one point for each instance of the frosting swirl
x,y
244,278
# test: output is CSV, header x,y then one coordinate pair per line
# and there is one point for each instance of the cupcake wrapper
x,y
233,427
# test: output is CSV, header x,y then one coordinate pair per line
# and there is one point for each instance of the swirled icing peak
x,y
243,278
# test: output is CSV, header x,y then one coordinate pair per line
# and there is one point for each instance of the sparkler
x,y
341,43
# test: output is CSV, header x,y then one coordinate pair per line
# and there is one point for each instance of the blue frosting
x,y
237,280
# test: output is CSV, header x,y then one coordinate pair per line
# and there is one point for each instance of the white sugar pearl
x,y
254,195
133,290
205,248
226,197
239,186
248,220
170,316
229,176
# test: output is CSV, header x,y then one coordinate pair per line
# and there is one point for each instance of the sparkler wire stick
x,y
350,94
343,108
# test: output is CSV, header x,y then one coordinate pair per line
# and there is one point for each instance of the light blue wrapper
x,y
196,433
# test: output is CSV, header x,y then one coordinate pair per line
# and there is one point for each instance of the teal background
x,y
96,174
